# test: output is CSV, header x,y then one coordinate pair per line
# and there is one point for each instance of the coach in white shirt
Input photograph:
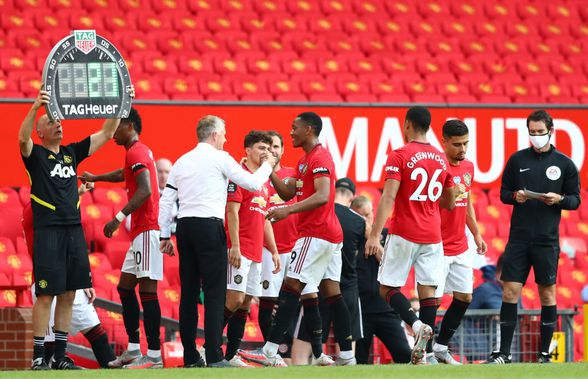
x,y
199,179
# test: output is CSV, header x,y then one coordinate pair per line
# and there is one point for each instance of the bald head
x,y
49,131
163,166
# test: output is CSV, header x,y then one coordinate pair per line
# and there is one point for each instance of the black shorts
x,y
60,260
520,257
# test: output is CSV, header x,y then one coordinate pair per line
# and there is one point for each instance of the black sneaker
x,y
40,364
543,358
498,358
65,363
199,363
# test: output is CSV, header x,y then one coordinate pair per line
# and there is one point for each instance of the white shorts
x,y
246,278
400,255
458,274
270,282
144,259
314,259
83,315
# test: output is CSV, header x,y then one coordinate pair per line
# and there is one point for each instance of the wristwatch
x,y
561,199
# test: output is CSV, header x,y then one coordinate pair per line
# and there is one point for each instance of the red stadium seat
x,y
249,86
202,6
396,28
177,85
305,7
336,6
269,6
325,25
214,86
466,10
256,24
149,22
284,86
160,6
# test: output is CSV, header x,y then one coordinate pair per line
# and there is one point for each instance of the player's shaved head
x,y
313,120
163,163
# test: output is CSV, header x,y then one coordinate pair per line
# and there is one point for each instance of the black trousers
x,y
387,327
202,248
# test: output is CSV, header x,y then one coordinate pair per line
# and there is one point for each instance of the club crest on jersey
x,y
67,159
64,172
456,179
467,178
302,168
276,199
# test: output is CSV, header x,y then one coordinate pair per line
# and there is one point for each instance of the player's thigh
x,y
148,258
428,265
329,284
270,282
460,279
516,262
544,259
237,277
440,290
78,264
396,262
309,260
49,260
83,315
254,280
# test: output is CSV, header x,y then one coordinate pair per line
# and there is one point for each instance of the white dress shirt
x,y
199,179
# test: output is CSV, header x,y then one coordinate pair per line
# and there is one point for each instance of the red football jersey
x,y
285,231
138,159
453,223
421,170
320,222
251,219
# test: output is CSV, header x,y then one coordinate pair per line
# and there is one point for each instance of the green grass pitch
x,y
514,371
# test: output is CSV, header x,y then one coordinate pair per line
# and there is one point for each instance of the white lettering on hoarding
x,y
356,142
391,138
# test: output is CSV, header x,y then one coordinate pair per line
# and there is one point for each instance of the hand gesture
x,y
373,247
481,245
520,196
42,99
111,227
277,263
278,214
87,177
91,294
551,198
85,187
167,247
235,257
131,91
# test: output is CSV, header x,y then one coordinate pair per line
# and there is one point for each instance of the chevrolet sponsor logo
x,y
259,201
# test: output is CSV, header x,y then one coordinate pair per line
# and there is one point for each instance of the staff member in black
x,y
199,180
534,228
377,317
60,255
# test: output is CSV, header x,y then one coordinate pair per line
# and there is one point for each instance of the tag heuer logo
x,y
238,279
85,40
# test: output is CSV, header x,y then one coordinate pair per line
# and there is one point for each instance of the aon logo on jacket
x,y
64,172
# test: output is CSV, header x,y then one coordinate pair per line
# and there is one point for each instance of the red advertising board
x,y
359,137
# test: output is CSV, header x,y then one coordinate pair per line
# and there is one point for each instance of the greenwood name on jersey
x,y
421,170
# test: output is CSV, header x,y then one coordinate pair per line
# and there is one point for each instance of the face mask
x,y
541,141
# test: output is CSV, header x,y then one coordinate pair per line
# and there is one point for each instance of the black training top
x,y
353,226
552,171
54,183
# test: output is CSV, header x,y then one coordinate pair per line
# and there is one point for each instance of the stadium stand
x,y
432,51
356,51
